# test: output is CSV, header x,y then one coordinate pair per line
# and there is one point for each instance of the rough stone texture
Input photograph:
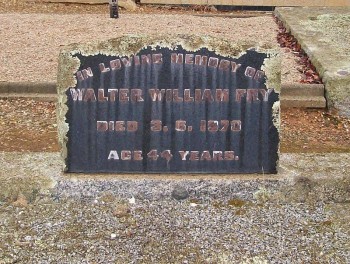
x,y
127,4
324,35
179,193
37,173
130,45
16,178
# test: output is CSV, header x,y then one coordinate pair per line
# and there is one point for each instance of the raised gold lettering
x,y
206,155
176,97
156,125
89,95
156,95
213,125
229,155
250,72
87,73
194,155
138,155
252,95
217,155
102,126
113,155
136,95
236,125
77,94
157,58
146,59
187,96
239,94
224,65
183,154
180,125
125,155
112,94
123,95
119,126
115,64
224,125
207,96
126,62
102,68
235,66
131,126
222,95
101,95
189,59
201,60
213,62
177,58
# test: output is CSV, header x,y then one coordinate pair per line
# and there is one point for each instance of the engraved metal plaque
x,y
171,110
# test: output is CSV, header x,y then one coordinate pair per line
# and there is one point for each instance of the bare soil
x,y
314,130
27,125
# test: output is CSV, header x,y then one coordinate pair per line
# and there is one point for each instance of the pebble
x,y
21,201
121,210
28,238
179,193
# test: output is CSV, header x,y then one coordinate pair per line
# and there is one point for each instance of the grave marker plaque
x,y
168,104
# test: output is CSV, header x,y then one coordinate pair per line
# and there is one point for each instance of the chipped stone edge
x,y
272,69
132,44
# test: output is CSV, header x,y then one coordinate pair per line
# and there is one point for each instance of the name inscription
x,y
164,111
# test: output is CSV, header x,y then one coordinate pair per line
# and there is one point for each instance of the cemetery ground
x,y
298,216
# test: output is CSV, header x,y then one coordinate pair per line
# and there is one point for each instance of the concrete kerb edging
x,y
301,178
28,87
335,91
39,91
292,29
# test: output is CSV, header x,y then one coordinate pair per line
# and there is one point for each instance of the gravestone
x,y
169,104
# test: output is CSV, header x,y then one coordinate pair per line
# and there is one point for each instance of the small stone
x,y
179,193
21,201
28,238
343,72
121,210
213,9
127,5
113,236
132,200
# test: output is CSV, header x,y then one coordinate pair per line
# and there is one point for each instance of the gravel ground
x,y
30,43
299,216
111,230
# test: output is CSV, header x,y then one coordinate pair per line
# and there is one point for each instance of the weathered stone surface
x,y
127,4
179,193
324,33
180,103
